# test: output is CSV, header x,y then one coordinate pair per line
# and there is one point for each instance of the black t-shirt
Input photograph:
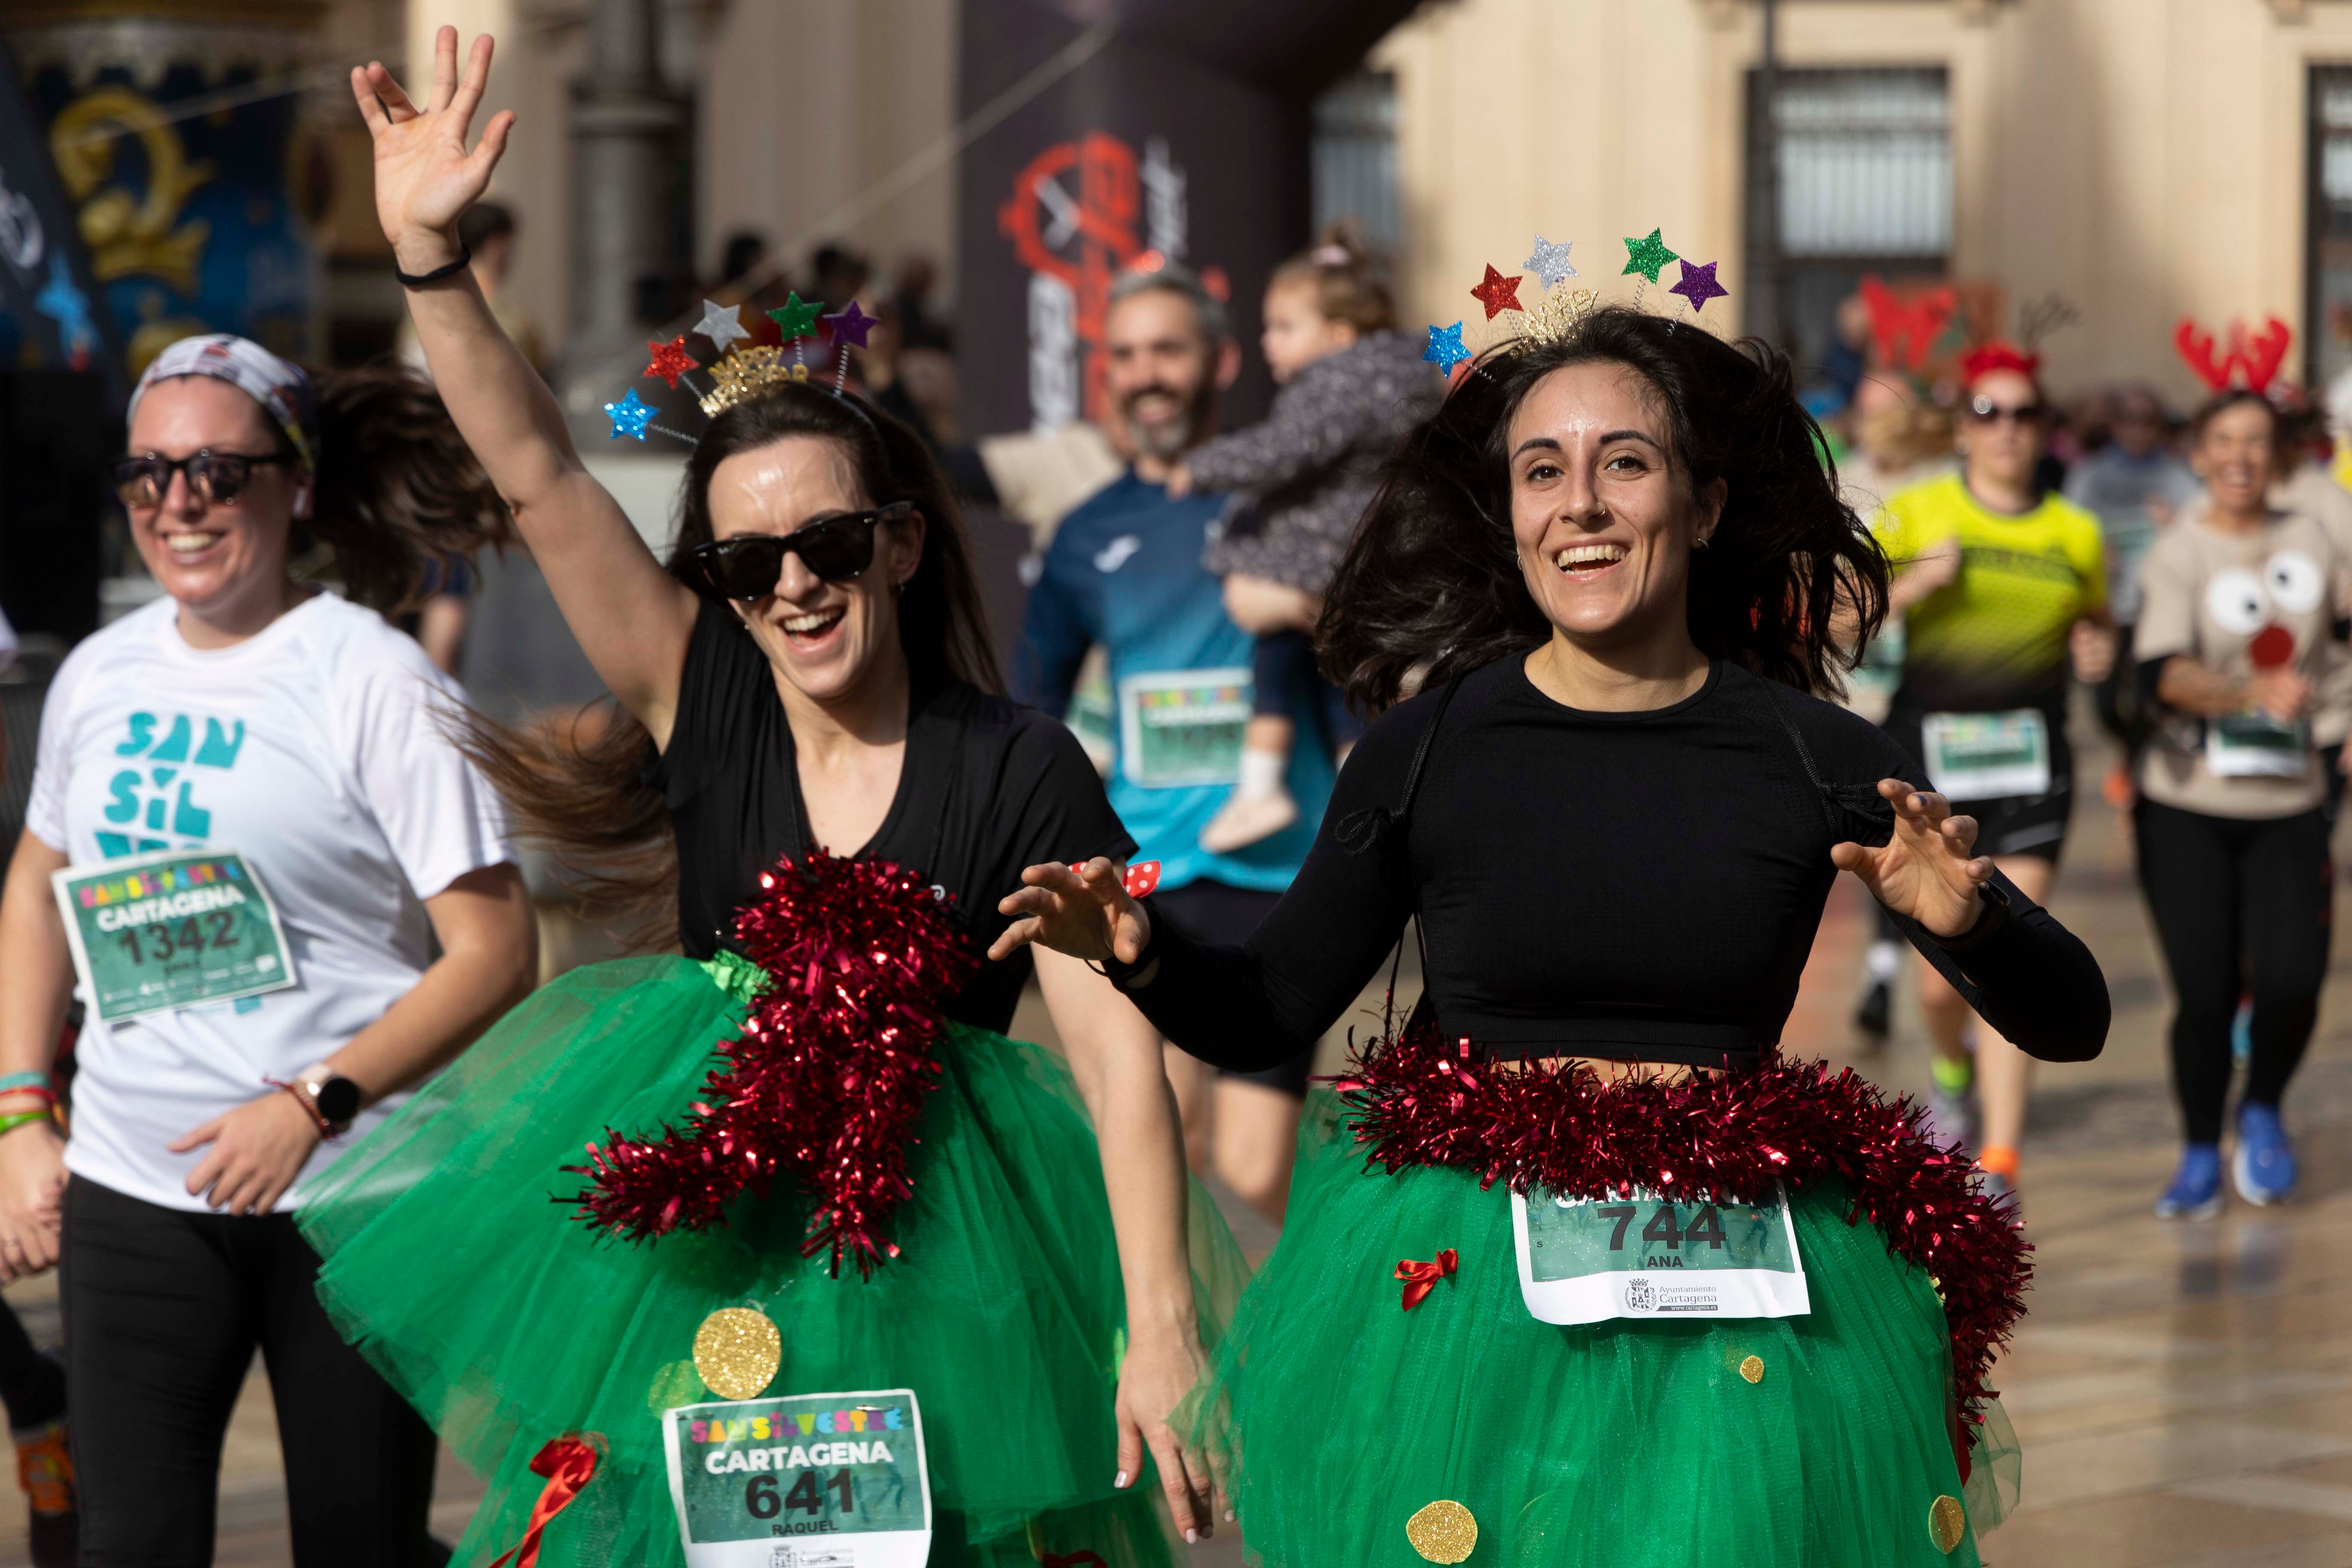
x,y
988,787
1641,886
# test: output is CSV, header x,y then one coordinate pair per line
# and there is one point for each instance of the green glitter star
x,y
1647,256
796,317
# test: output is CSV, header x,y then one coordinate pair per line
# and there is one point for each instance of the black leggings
x,y
2243,908
164,1309
32,1385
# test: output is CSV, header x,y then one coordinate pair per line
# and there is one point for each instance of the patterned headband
x,y
281,389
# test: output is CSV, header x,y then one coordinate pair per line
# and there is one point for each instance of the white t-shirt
x,y
313,750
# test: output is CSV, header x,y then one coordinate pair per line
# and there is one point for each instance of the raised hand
x,y
424,177
1929,869
1083,910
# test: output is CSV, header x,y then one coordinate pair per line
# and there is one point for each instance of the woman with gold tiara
x,y
1577,1270
810,748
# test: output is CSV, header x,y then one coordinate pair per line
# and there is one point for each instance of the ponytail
x,y
398,493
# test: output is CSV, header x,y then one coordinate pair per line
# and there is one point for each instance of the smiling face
x,y
1161,371
827,639
1603,515
223,562
2236,456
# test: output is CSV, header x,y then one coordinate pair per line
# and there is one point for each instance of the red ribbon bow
x,y
568,1463
1421,1279
1142,878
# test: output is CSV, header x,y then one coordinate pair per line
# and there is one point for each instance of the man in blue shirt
x,y
1124,570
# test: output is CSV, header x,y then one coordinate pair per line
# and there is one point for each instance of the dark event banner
x,y
1187,136
51,299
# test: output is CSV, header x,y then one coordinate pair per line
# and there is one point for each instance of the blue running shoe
x,y
2264,1165
2196,1190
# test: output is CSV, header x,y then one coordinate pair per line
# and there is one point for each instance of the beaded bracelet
x,y
10,1122
23,1081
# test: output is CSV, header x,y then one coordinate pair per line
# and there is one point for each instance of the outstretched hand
x,y
1929,869
1082,910
424,177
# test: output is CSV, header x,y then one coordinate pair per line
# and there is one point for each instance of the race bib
x,y
178,928
1183,727
1586,1260
1986,756
807,1480
2255,745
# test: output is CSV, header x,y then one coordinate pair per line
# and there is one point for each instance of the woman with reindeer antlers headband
x,y
1576,1270
692,1374
2236,648
1999,586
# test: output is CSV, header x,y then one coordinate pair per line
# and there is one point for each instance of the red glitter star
x,y
1497,293
670,359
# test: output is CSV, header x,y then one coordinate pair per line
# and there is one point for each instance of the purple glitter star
x,y
1698,286
849,324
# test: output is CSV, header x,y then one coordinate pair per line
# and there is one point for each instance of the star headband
x,y
1559,310
740,373
2256,355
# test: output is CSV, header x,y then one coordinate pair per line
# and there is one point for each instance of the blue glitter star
x,y
1549,261
1445,350
630,415
68,307
1698,286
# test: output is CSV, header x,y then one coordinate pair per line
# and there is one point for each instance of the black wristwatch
x,y
336,1098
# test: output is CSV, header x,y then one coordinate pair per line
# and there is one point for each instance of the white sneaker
x,y
1246,818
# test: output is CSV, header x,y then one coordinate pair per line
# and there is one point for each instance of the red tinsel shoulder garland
x,y
828,1079
1425,1101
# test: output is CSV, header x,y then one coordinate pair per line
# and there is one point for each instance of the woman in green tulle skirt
x,y
802,1159
1578,1269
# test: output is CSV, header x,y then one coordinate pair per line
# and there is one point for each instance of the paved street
x,y
2181,1389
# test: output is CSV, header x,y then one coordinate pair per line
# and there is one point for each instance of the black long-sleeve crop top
x,y
1635,885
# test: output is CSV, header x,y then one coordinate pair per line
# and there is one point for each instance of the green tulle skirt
x,y
1635,1444
507,1322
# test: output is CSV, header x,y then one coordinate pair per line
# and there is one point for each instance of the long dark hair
x,y
1432,586
579,787
397,494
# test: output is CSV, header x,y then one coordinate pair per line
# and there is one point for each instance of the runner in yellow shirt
x,y
1998,585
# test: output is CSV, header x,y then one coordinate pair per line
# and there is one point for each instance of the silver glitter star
x,y
1550,261
721,325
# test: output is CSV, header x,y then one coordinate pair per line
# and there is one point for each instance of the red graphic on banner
x,y
1083,237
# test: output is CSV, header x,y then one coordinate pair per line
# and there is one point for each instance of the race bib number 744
x,y
1584,1260
810,1480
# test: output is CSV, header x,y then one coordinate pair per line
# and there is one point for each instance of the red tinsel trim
x,y
828,1079
1425,1101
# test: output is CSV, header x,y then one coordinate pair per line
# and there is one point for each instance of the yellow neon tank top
x,y
1995,636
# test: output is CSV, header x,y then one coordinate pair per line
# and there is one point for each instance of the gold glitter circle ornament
x,y
1443,1531
1752,1369
1947,1522
736,1351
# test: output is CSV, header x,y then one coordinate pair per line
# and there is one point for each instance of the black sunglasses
x,y
836,549
1987,411
216,477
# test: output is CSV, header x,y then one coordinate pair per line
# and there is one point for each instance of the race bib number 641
x,y
810,1480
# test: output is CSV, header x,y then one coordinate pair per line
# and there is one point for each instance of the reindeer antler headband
x,y
2257,356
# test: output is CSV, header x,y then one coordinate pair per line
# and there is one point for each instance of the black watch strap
x,y
420,280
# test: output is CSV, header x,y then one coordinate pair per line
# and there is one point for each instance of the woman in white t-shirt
x,y
295,740
2236,636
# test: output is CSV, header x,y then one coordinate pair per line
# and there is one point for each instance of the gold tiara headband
x,y
1560,310
741,374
